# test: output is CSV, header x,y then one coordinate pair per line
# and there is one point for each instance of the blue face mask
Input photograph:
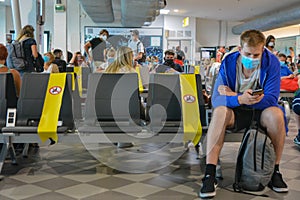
x,y
250,63
110,60
282,63
46,59
154,63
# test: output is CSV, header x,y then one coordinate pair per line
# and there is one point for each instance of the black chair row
x,y
113,104
112,107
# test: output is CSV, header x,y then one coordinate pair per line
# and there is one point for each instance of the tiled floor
x,y
68,172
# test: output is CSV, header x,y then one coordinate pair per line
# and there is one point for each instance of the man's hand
x,y
247,99
225,90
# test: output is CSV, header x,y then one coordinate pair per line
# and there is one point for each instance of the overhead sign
x,y
186,22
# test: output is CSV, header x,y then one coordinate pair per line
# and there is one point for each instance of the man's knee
x,y
272,116
223,115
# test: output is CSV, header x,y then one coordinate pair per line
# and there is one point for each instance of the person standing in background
x,y
137,46
8,47
180,53
98,46
30,48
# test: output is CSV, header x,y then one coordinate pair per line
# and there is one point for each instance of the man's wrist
x,y
240,99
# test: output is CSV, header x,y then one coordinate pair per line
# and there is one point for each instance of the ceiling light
x,y
164,12
2,0
176,10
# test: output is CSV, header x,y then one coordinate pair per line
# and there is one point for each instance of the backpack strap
x,y
137,47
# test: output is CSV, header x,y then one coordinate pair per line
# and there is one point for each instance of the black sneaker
x,y
297,140
208,189
277,183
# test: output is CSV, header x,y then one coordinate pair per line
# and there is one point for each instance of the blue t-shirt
x,y
285,71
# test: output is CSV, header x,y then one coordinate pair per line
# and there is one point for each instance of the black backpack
x,y
255,161
39,63
143,59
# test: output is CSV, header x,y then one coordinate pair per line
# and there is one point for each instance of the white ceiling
x,y
230,10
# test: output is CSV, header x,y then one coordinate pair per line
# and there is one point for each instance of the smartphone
x,y
257,92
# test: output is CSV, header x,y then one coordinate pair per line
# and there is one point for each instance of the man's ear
x,y
240,48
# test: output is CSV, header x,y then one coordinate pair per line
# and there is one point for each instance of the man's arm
x,y
271,86
86,49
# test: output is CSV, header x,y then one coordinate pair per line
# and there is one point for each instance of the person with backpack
x,y
252,67
137,47
24,51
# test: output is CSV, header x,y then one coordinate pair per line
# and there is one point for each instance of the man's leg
x,y
272,118
222,117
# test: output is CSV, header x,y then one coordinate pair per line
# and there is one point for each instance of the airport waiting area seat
x,y
163,110
112,104
29,111
8,97
8,100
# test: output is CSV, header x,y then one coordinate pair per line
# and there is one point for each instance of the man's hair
x,y
104,31
57,51
135,32
253,38
170,52
281,55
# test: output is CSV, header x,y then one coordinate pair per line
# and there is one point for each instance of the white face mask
x,y
62,57
271,44
104,37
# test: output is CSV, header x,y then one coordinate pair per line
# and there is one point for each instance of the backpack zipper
x,y
254,149
263,153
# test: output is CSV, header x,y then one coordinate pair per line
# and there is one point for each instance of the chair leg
x,y
25,150
3,155
12,152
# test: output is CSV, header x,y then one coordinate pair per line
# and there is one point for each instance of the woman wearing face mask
x,y
49,67
109,59
270,43
153,63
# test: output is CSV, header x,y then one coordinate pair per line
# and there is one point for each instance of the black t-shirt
x,y
28,54
98,46
62,65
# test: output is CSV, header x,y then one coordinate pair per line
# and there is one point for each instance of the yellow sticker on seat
x,y
47,127
190,108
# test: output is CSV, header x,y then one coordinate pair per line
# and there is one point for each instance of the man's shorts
x,y
244,116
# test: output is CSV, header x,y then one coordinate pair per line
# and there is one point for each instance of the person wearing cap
x,y
98,46
136,45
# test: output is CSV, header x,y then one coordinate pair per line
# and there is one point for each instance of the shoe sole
x,y
280,190
208,195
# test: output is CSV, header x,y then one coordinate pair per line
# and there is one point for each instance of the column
x,y
60,29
